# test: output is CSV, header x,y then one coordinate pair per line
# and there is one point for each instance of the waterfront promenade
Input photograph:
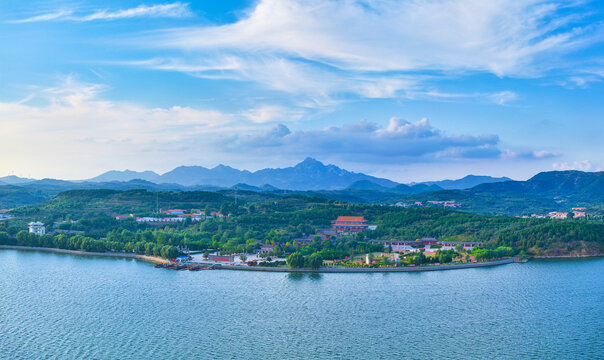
x,y
219,266
366,270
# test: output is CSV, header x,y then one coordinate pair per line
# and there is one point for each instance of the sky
x,y
411,90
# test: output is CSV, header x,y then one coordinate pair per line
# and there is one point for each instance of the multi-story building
x,y
349,224
37,228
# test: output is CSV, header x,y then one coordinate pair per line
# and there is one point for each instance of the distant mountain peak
x,y
310,162
222,166
13,179
467,182
310,174
126,175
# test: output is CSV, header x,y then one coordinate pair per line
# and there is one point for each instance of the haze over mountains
x,y
309,174
569,185
466,182
547,191
13,180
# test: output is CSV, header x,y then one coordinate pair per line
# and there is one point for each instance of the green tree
x,y
315,261
295,260
23,238
5,239
419,259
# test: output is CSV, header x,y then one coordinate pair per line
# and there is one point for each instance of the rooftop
x,y
351,218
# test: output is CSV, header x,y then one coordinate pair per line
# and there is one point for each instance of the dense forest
x,y
86,220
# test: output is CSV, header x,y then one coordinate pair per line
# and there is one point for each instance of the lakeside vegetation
x,y
255,219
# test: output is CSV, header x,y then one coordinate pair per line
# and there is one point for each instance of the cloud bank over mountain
x,y
365,141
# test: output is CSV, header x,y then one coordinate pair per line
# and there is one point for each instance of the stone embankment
x,y
367,270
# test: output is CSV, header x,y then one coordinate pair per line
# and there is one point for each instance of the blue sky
x,y
410,90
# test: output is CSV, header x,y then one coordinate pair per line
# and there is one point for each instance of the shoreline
x,y
153,259
218,266
566,256
146,258
367,270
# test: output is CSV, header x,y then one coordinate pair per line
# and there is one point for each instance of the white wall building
x,y
37,228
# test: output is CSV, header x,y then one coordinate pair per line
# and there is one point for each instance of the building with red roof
x,y
350,224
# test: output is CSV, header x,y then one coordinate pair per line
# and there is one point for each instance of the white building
x,y
160,220
37,228
557,215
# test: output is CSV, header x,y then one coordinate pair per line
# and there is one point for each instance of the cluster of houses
x,y
173,216
446,203
5,217
425,244
576,213
343,225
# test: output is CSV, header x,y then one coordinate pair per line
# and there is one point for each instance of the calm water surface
x,y
55,306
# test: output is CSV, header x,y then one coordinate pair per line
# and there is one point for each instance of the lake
x,y
58,306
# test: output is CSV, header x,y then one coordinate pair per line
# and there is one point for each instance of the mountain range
x,y
309,174
570,185
13,180
466,182
547,191
544,192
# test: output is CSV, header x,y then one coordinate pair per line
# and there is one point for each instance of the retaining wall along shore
x,y
362,270
153,259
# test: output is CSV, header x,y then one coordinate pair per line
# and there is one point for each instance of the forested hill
x,y
260,217
79,203
105,202
564,185
545,192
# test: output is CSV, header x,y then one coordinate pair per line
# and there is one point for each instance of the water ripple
x,y
55,306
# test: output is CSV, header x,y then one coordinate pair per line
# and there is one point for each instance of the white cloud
x,y
71,130
45,17
366,142
529,155
286,75
583,165
176,10
73,123
327,49
504,97
503,37
272,113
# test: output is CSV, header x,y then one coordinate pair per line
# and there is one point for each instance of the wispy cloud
x,y
109,134
74,121
58,15
583,165
175,10
272,113
503,37
529,155
379,48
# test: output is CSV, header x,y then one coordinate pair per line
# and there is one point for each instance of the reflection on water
x,y
300,276
57,306
295,276
315,276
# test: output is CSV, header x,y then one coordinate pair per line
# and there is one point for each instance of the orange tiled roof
x,y
351,218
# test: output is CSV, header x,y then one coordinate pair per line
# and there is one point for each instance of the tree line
x,y
79,242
